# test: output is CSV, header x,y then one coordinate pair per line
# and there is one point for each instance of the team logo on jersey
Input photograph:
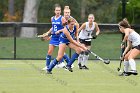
x,y
56,22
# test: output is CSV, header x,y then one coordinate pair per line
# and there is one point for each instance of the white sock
x,y
126,65
80,58
132,64
85,59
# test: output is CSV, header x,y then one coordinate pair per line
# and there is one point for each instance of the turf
x,y
25,76
106,45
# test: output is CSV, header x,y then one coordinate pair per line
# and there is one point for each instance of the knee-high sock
x,y
80,58
132,64
85,59
74,56
66,58
52,65
48,60
62,60
126,65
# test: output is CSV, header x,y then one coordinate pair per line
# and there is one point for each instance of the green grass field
x,y
106,45
25,76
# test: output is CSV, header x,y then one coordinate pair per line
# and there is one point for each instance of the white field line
x,y
19,63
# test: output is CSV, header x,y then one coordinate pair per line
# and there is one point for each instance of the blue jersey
x,y
56,25
64,39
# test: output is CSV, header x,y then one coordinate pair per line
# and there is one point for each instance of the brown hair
x,y
57,5
124,23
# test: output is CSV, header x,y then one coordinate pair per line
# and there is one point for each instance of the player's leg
x,y
80,60
74,56
66,58
134,53
52,44
85,58
61,64
126,65
49,55
81,55
61,51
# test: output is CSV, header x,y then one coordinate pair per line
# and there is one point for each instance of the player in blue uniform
x,y
57,24
67,39
67,15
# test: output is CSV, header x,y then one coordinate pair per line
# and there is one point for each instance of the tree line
x,y
105,11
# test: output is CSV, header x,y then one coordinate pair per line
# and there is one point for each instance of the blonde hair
x,y
91,15
66,8
71,20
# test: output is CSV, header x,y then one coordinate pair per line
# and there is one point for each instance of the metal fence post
x,y
70,52
15,31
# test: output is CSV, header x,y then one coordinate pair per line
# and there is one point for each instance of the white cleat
x,y
45,68
72,66
61,65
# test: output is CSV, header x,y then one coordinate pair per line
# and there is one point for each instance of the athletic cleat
x,y
48,72
124,74
85,67
60,65
69,68
65,67
133,72
45,68
72,66
79,66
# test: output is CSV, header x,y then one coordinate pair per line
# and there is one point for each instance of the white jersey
x,y
134,38
86,33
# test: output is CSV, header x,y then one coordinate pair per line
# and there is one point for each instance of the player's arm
x,y
77,32
79,29
126,31
83,26
71,39
97,29
48,33
59,31
129,46
64,22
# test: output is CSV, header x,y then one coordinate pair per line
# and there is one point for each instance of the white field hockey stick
x,y
98,57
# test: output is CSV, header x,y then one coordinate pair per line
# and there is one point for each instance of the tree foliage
x,y
18,9
105,11
132,11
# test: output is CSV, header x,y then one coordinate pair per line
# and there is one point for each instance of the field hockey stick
x,y
98,57
122,50
43,35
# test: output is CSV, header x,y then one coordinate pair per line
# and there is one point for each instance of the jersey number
x,y
55,28
88,34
